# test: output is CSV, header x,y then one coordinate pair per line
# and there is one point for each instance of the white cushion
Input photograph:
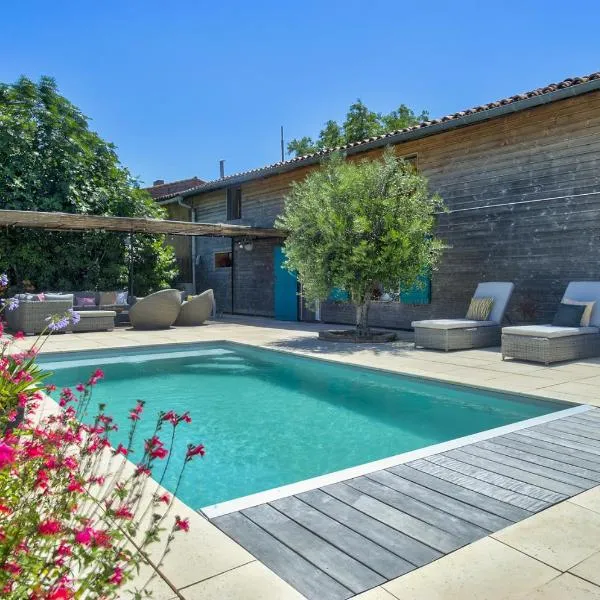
x,y
452,324
549,331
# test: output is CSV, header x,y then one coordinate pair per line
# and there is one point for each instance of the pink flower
x,y
12,568
123,512
142,470
51,387
49,527
182,524
80,387
7,455
121,450
19,336
164,498
186,417
75,486
60,593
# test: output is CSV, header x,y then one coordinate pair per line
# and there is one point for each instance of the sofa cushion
x,y
568,315
480,309
121,298
549,331
58,296
107,298
83,301
452,323
587,313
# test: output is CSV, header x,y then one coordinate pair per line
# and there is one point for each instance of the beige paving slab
x,y
518,383
377,593
484,570
577,388
589,499
564,587
203,552
249,582
144,581
589,569
561,536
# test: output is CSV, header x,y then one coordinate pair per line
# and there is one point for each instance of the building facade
x,y
520,178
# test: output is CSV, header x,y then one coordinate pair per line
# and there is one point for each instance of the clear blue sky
x,y
179,84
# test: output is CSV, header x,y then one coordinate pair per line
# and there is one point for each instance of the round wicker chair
x,y
156,311
197,310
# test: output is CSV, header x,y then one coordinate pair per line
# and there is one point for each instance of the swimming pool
x,y
269,418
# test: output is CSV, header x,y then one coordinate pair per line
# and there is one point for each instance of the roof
x,y
173,188
552,92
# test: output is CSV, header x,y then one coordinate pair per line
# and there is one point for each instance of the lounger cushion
x,y
548,331
452,323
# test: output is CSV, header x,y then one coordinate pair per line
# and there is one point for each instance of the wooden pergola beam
x,y
58,221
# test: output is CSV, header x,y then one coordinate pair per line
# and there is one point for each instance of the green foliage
x,y
360,123
356,224
51,161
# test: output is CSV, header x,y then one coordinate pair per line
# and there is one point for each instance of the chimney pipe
x,y
159,182
222,168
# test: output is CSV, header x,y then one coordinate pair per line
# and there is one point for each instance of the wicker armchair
x,y
197,310
156,311
31,317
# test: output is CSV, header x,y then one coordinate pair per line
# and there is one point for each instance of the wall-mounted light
x,y
246,243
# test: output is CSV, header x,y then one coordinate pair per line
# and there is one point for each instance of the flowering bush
x,y
76,516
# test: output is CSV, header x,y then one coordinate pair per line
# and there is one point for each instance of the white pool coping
x,y
306,485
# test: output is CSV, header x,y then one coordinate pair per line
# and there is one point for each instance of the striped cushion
x,y
480,309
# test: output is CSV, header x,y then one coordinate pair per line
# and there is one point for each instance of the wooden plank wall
x,y
523,195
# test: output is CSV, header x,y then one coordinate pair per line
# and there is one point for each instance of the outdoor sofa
x,y
462,334
197,309
555,343
32,314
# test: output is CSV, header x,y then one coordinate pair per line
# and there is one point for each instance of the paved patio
x,y
552,554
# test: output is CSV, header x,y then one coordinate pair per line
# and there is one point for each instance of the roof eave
x,y
434,129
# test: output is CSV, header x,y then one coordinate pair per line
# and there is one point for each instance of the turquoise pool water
x,y
269,419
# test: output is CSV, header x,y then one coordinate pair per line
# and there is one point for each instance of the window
x,y
223,260
234,203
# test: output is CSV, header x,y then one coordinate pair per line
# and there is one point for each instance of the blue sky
x,y
179,85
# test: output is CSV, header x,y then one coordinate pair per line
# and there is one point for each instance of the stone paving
x,y
554,554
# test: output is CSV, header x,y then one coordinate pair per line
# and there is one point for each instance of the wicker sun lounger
x,y
462,334
548,343
156,311
197,310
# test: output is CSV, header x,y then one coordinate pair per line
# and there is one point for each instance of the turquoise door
x,y
286,289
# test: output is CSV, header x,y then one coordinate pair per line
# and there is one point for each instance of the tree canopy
x,y
357,224
51,161
359,124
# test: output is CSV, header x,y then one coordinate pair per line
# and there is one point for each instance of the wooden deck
x,y
342,539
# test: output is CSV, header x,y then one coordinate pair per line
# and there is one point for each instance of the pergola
x,y
58,221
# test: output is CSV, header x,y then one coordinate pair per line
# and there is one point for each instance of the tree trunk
x,y
362,317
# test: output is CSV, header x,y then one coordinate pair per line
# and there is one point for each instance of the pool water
x,y
268,418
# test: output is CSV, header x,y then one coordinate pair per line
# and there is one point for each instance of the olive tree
x,y
356,224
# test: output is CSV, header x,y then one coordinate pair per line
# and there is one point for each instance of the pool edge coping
x,y
244,502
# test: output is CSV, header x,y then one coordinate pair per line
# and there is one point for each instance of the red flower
x,y
12,567
19,335
5,509
194,451
159,453
186,417
49,527
123,512
117,577
164,498
80,387
51,387
182,524
121,450
7,455
142,470
84,536
75,486
60,593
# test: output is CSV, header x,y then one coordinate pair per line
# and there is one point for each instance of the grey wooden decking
x,y
345,538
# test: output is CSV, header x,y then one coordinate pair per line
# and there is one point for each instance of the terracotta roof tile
x,y
172,188
552,87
